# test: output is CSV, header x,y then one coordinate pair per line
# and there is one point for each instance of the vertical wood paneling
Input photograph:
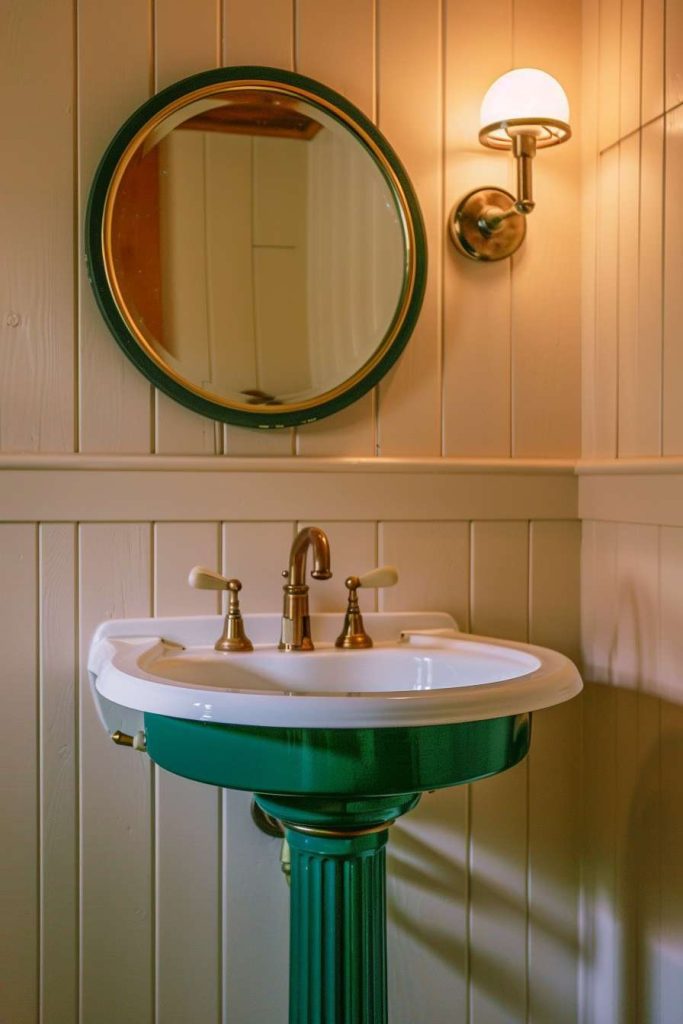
x,y
242,441
152,888
37,341
631,584
244,38
590,56
633,265
427,886
668,979
600,929
188,819
652,89
640,566
647,827
256,553
672,414
116,849
674,53
19,938
245,42
609,72
115,399
58,771
255,894
186,40
554,785
635,661
599,600
336,44
256,914
647,438
554,586
630,66
632,883
498,898
427,890
606,343
498,839
476,297
433,564
117,410
410,115
631,360
546,271
500,551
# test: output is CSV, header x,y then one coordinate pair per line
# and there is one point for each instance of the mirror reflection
x,y
256,247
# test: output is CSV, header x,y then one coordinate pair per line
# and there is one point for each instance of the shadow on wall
x,y
632,899
483,893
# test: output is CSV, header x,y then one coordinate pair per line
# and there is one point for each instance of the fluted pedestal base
x,y
338,948
338,965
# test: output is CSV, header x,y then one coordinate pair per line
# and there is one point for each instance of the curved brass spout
x,y
314,537
296,627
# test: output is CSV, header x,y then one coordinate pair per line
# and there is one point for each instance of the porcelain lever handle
x,y
385,576
202,578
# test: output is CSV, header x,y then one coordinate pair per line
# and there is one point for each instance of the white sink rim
x,y
118,649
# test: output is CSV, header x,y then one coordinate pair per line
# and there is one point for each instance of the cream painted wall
x,y
478,378
631,496
131,894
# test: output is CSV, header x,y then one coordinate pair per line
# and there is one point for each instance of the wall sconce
x,y
524,110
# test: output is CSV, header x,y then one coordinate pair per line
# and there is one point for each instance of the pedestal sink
x,y
334,744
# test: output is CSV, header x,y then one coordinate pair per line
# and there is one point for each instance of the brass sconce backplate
x,y
470,233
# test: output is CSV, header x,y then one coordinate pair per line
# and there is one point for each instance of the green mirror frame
x,y
122,326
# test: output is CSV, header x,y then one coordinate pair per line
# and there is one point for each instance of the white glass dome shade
x,y
525,101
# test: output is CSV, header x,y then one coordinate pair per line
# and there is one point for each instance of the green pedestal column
x,y
338,962
338,947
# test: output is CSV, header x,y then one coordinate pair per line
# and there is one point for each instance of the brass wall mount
x,y
124,739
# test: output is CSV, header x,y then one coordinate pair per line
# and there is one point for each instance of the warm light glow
x,y
522,93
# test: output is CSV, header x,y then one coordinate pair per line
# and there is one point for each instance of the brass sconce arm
x,y
490,223
492,217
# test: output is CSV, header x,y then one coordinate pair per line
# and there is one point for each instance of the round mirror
x,y
256,247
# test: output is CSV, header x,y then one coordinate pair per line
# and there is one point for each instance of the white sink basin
x,y
169,667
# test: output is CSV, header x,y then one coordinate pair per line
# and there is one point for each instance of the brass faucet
x,y
296,624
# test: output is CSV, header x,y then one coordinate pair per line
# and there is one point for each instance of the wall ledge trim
x,y
46,461
117,490
280,464
652,466
648,498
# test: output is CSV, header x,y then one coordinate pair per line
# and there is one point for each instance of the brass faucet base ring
x,y
464,225
354,642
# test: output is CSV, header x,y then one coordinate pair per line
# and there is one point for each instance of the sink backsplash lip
x,y
262,627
